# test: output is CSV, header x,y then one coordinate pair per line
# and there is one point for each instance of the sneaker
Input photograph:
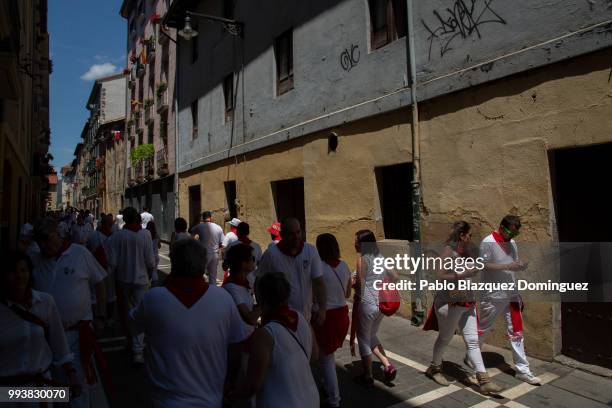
x,y
138,358
529,378
390,373
435,373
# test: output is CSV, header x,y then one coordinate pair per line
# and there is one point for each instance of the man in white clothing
x,y
67,273
211,237
80,231
146,217
231,236
193,330
500,255
300,263
132,260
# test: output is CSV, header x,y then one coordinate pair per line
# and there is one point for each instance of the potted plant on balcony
x,y
139,155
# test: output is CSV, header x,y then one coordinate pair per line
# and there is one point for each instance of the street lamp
x,y
231,26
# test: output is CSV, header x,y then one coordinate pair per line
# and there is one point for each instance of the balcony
x,y
163,131
148,170
139,173
131,179
148,112
161,99
162,163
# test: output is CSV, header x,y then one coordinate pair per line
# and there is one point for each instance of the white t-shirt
x,y
241,296
187,363
300,272
336,280
130,256
23,346
289,381
68,279
492,252
211,236
146,217
229,238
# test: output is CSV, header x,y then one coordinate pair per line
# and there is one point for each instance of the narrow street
x,y
410,349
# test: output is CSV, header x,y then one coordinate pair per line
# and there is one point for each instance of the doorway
x,y
578,180
395,195
289,200
195,205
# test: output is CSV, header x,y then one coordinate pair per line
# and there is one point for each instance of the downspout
x,y
418,311
176,130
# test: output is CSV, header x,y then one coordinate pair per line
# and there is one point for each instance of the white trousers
x,y
330,378
369,322
449,318
489,310
211,268
133,295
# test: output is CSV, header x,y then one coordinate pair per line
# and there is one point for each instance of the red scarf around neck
x,y
505,245
188,290
133,227
284,316
282,246
234,230
333,262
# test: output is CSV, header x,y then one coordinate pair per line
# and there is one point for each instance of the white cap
x,y
235,222
27,230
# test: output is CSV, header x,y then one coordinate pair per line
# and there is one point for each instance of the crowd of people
x,y
251,337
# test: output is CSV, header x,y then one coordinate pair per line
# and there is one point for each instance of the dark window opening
x,y
228,95
230,196
194,119
283,53
395,194
195,205
387,21
288,198
228,9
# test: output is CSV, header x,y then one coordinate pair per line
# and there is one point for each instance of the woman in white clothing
x,y
279,364
33,338
240,262
152,228
457,309
369,315
331,334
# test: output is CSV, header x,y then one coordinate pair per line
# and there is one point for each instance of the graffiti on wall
x,y
463,20
350,57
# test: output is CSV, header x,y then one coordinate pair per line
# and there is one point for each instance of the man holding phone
x,y
500,255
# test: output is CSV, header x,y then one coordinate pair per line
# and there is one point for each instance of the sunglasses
x,y
510,233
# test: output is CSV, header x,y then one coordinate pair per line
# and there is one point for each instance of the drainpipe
x,y
418,311
176,130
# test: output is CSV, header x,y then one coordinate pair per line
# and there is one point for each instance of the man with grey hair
x,y
67,271
194,325
132,261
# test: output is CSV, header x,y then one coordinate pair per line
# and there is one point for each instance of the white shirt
x,y
336,280
289,381
96,239
211,236
146,217
492,252
241,296
131,256
188,347
68,279
80,233
23,347
119,222
300,272
229,239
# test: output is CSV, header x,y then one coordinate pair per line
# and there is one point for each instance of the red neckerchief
x,y
186,289
133,227
234,230
333,262
502,242
282,246
284,316
239,280
245,240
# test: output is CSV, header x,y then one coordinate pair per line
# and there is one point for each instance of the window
x,y
283,53
195,46
395,195
228,9
288,196
194,119
228,94
387,21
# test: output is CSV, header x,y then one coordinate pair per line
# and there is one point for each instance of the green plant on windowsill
x,y
161,88
148,103
142,153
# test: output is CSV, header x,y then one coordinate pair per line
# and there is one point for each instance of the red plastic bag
x,y
388,300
